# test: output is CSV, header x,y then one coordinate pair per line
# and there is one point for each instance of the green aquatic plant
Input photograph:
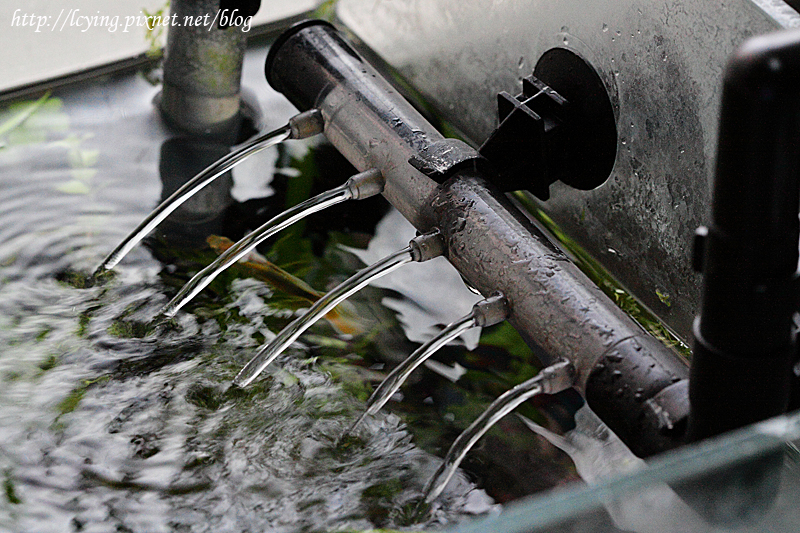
x,y
326,10
32,121
154,32
44,121
10,491
73,399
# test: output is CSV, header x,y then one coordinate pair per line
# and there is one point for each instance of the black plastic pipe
x,y
744,343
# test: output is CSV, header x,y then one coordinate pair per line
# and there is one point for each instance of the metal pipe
x,y
559,311
203,67
621,370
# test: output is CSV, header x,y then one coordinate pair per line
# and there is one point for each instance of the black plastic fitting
x,y
561,127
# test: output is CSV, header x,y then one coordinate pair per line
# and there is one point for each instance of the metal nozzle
x,y
366,184
306,124
427,246
491,311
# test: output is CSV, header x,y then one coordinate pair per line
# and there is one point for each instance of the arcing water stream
x,y
188,190
351,189
344,290
476,318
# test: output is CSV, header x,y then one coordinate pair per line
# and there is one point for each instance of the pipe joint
x,y
306,124
557,377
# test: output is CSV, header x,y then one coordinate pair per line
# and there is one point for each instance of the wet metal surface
x,y
662,65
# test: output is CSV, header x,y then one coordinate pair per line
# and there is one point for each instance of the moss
x,y
43,334
326,11
129,329
664,297
73,399
385,490
71,402
48,363
83,324
205,397
10,491
154,31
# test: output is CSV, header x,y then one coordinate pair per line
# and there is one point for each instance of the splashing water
x,y
289,334
554,378
189,189
363,185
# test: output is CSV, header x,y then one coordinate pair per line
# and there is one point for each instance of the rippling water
x,y
108,425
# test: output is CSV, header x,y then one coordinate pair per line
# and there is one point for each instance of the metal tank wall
x,y
662,65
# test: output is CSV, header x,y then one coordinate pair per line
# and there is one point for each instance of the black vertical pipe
x,y
744,345
741,369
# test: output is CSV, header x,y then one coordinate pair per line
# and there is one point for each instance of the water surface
x,y
109,425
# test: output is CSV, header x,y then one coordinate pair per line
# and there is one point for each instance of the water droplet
x,y
605,27
612,251
521,62
623,141
566,40
618,33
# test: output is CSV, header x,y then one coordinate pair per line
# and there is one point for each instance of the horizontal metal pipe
x,y
558,310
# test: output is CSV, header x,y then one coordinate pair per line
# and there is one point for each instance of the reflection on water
x,y
106,424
